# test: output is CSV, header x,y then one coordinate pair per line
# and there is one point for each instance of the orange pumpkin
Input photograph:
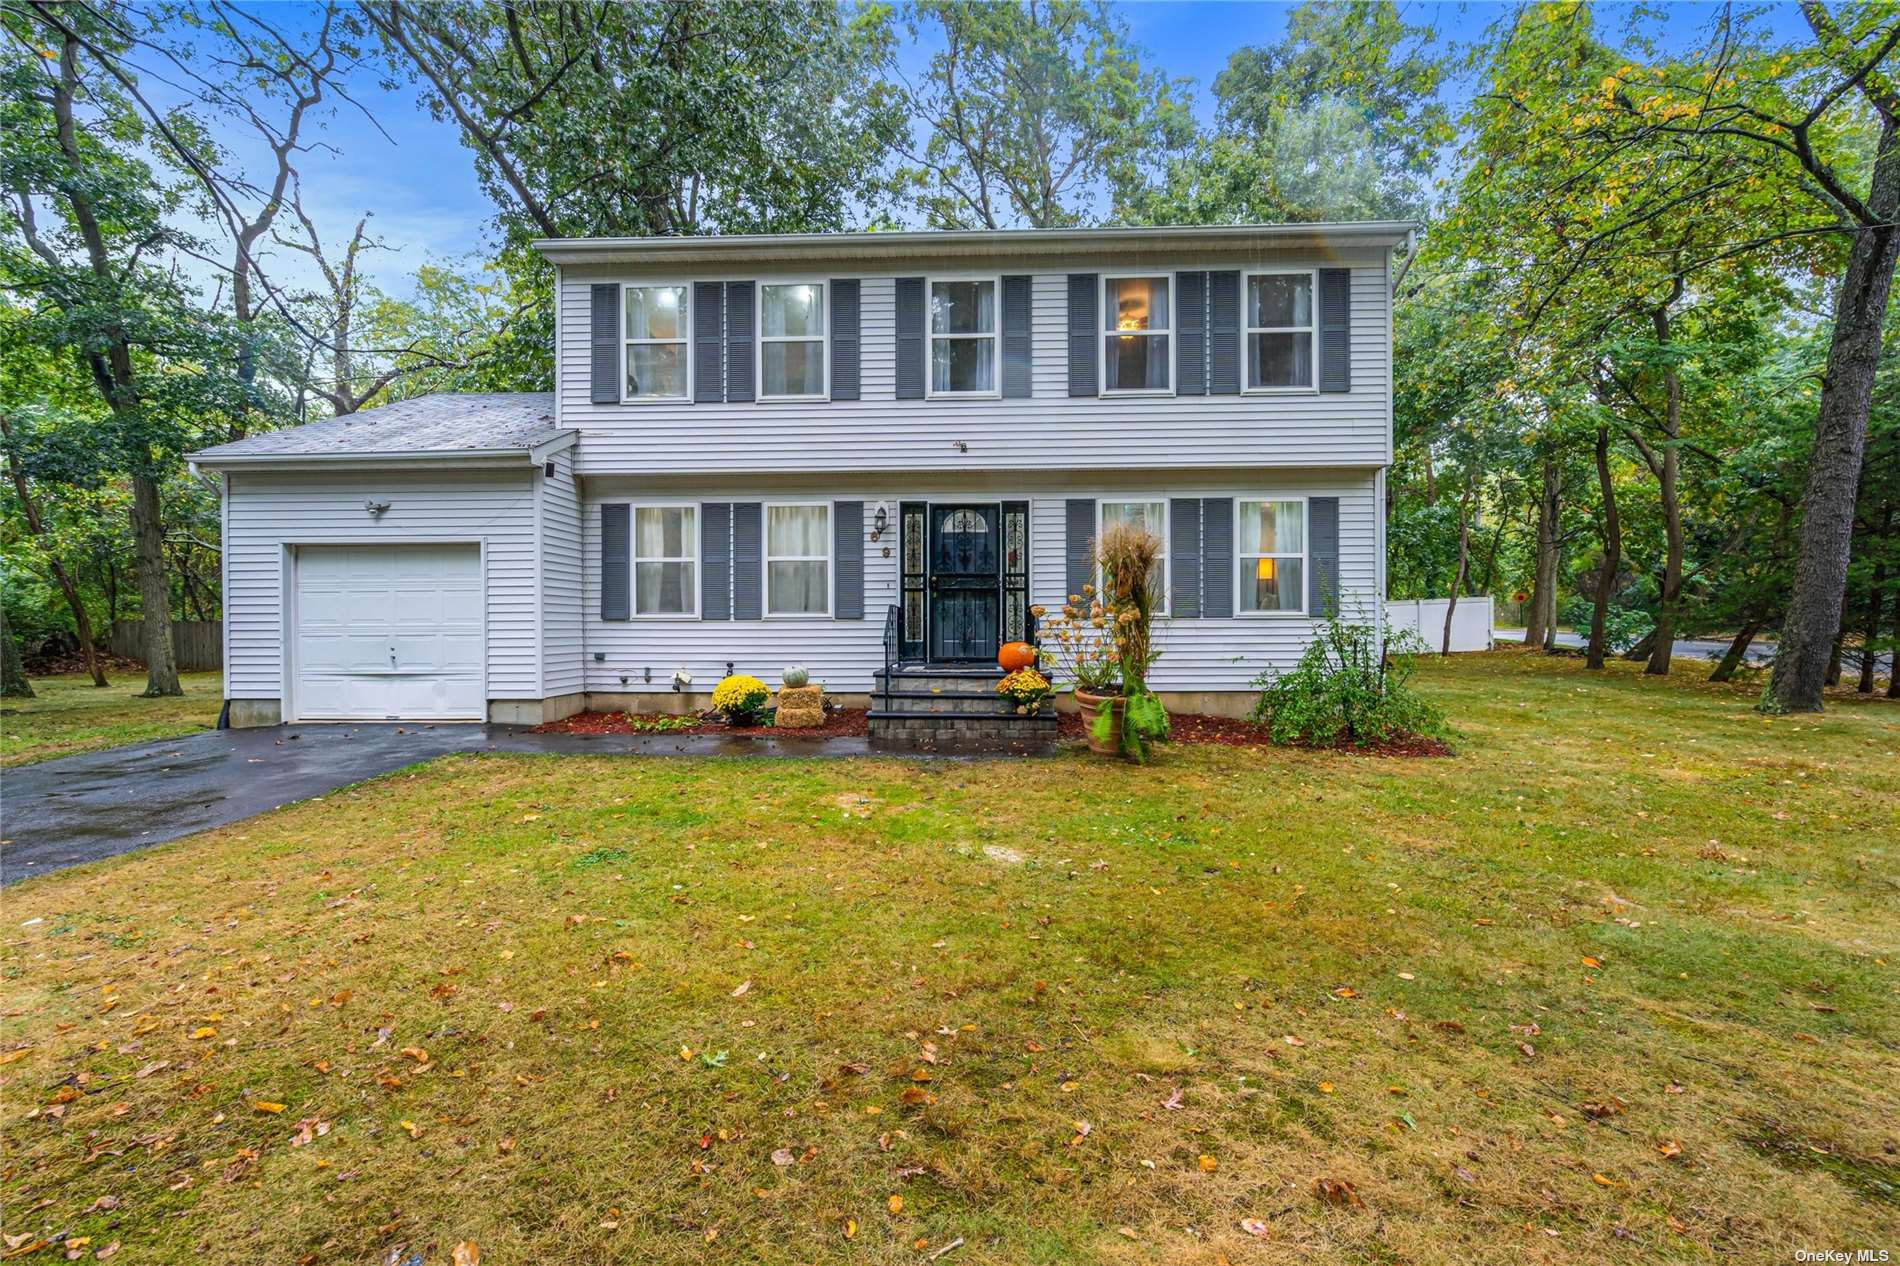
x,y
1015,655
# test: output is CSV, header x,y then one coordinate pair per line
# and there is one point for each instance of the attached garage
x,y
386,632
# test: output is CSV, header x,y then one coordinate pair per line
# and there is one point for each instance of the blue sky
x,y
420,182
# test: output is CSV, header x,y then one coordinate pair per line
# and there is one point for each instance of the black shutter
x,y
1079,544
1084,298
605,344
614,561
1322,557
1223,334
1217,558
715,560
1335,329
709,329
1191,347
1016,340
844,339
910,338
741,319
847,576
1184,558
747,561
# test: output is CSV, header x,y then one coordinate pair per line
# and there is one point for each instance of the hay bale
x,y
801,707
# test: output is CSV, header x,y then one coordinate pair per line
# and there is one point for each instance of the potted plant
x,y
1076,644
741,699
1027,689
1125,558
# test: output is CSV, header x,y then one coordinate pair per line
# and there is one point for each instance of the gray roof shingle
x,y
445,423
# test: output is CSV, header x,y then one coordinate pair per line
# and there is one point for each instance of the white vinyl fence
x,y
1471,627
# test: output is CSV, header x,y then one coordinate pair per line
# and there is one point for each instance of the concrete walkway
x,y
60,813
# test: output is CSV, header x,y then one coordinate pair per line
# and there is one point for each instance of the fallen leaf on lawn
x,y
107,1251
686,1052
783,1157
1290,1040
465,1254
1669,1148
1591,962
1530,1052
1326,1087
1337,1191
1677,1224
928,1052
1607,1108
309,1130
415,1131
1254,1227
851,1228
744,988
895,1204
506,1146
264,1105
1173,1102
1126,1232
18,1053
1602,1180
1345,991
416,1053
1208,1164
200,1034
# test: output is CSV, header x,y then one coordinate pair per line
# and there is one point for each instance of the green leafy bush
x,y
1623,627
1344,690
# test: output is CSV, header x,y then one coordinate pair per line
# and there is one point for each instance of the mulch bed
x,y
1194,728
843,723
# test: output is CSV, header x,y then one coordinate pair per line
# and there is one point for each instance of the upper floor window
x,y
665,560
1279,331
798,559
1272,555
1151,516
656,360
963,338
792,341
1135,348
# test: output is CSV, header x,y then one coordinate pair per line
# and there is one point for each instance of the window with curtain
x,y
962,338
1279,331
798,559
792,341
1135,352
1272,556
1151,516
656,342
665,560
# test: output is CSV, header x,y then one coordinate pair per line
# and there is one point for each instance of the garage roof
x,y
443,427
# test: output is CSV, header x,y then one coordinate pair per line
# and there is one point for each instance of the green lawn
x,y
752,1011
71,715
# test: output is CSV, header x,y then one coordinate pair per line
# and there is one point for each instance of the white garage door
x,y
389,632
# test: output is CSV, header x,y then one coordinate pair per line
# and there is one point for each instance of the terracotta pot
x,y
1090,706
1016,655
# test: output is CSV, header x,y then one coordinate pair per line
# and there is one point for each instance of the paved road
x,y
62,812
1760,651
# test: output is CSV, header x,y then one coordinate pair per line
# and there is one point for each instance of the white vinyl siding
x,y
1198,654
1050,431
269,512
561,582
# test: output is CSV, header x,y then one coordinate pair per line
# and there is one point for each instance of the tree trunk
x,y
1612,550
13,682
1666,479
1834,655
155,599
1737,650
1840,440
1464,555
1640,652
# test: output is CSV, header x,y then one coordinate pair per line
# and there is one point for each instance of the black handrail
x,y
890,652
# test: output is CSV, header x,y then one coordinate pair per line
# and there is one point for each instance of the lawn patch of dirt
x,y
842,723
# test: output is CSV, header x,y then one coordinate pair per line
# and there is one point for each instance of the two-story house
x,y
834,450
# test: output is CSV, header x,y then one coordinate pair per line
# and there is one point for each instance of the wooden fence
x,y
198,645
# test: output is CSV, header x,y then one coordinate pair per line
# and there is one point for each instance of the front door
x,y
965,582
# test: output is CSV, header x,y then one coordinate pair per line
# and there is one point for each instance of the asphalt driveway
x,y
60,813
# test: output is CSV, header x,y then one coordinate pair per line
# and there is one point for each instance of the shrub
x,y
1343,689
741,699
1026,688
1623,627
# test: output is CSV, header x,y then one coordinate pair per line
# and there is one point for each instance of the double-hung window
x,y
792,341
1272,556
1136,347
963,338
655,334
665,560
798,559
1280,331
1151,516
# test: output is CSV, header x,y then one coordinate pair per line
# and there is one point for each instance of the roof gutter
x,y
781,247
210,459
